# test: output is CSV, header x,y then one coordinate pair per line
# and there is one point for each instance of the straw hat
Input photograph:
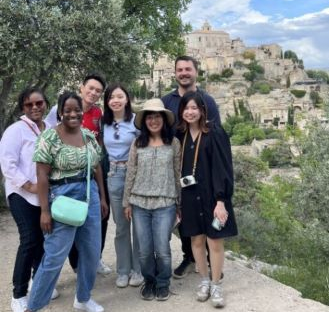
x,y
153,105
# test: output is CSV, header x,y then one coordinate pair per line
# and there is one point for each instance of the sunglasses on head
x,y
116,130
38,104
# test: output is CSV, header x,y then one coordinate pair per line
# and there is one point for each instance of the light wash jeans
x,y
153,228
126,247
57,245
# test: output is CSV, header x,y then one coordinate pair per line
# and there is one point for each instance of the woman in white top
x,y
118,133
16,151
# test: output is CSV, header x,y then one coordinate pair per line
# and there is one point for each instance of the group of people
x,y
170,162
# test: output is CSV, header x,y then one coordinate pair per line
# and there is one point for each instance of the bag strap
x,y
88,167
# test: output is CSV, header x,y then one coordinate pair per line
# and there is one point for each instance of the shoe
x,y
54,295
203,292
182,270
89,306
147,291
136,279
19,305
162,293
103,268
122,281
216,296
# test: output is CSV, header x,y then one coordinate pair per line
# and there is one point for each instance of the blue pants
x,y
126,245
30,249
57,245
153,228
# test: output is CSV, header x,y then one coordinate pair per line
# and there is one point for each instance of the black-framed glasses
x,y
38,104
116,130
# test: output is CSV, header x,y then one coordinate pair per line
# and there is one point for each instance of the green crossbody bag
x,y
71,211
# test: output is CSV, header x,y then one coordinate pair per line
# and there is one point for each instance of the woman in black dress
x,y
207,188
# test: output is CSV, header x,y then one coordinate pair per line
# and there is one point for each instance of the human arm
x,y
177,169
222,171
99,181
212,110
43,171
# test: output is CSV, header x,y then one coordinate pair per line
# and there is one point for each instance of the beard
x,y
186,84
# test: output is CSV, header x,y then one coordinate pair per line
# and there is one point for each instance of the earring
x,y
62,118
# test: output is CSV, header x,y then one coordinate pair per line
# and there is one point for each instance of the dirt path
x,y
245,290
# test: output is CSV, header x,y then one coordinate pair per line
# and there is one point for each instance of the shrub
x,y
227,73
263,87
298,93
214,77
278,155
248,55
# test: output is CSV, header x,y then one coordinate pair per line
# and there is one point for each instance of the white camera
x,y
187,181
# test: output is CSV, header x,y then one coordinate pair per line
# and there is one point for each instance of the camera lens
x,y
185,181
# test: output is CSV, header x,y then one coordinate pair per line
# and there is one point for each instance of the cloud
x,y
307,35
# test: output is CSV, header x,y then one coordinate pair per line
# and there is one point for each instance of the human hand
x,y
128,212
46,222
220,212
104,209
30,187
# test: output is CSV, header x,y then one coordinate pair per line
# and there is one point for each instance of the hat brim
x,y
139,116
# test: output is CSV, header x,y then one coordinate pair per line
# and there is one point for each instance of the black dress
x,y
214,175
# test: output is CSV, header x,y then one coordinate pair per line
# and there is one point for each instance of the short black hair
x,y
167,133
95,76
108,116
63,98
27,92
187,58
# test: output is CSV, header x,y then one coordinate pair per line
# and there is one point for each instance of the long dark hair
x,y
198,99
167,133
108,116
27,92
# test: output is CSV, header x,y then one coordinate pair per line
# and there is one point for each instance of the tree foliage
x,y
318,74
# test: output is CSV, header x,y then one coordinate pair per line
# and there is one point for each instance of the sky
x,y
298,25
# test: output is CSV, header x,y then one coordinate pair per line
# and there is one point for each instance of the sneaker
x,y
203,292
89,306
19,305
182,270
136,279
216,296
103,268
147,291
122,281
162,293
54,295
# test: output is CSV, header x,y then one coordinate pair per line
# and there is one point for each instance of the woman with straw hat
x,y
152,193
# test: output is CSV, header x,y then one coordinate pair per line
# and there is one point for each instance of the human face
x,y
72,114
91,91
118,101
154,123
185,74
34,107
191,113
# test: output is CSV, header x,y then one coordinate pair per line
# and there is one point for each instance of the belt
x,y
69,180
118,163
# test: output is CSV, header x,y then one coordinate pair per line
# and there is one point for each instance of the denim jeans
x,y
153,228
126,247
58,243
30,249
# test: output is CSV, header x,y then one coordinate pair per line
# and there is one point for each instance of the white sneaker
x,y
54,295
216,296
136,279
122,281
103,268
19,305
89,306
203,292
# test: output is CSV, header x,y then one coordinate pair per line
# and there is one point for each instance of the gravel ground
x,y
245,290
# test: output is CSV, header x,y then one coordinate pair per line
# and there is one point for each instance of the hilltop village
x,y
270,83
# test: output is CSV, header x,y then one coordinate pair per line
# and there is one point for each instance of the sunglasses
x,y
38,104
116,130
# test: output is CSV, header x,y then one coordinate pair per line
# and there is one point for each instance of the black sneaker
x,y
147,291
182,269
162,293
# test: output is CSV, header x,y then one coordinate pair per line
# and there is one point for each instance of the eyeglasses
x,y
116,130
38,104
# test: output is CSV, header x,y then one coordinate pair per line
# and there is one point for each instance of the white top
x,y
51,118
16,151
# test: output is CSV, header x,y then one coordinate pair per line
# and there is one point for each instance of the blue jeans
x,y
58,243
30,249
153,228
126,247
